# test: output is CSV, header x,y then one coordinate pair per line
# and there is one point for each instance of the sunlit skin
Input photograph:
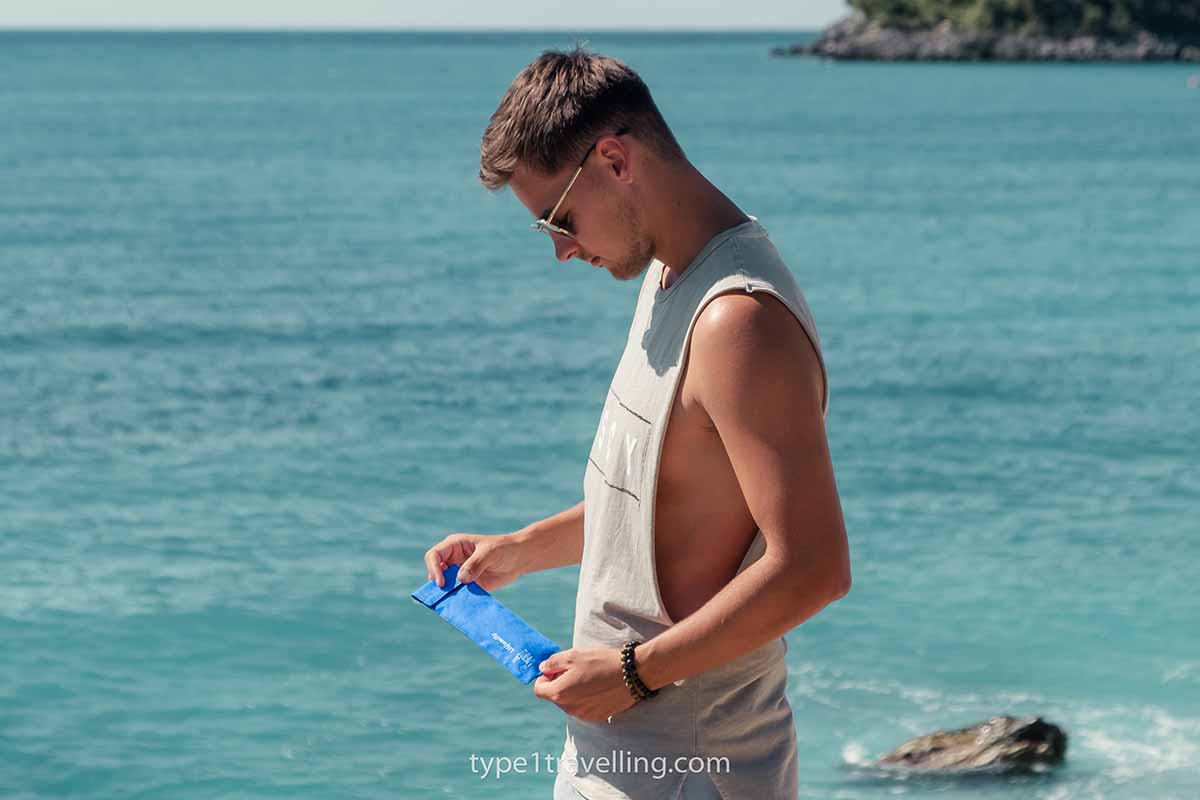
x,y
745,448
627,207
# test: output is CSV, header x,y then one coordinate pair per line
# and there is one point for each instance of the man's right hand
x,y
492,561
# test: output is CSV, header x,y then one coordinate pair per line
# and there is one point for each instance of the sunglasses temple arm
x,y
554,210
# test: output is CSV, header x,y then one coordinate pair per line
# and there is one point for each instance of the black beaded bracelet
x,y
629,672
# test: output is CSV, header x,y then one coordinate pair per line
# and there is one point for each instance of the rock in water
x,y
1005,744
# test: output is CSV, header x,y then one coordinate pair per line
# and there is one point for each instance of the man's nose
x,y
564,247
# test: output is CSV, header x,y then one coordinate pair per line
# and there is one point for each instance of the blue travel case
x,y
505,636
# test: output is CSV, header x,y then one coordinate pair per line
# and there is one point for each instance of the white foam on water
x,y
1185,672
1134,743
854,754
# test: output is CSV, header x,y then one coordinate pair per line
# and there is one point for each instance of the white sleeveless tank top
x,y
739,710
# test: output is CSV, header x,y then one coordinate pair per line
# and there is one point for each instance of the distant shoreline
x,y
388,31
856,38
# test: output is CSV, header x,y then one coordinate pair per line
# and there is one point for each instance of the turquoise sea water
x,y
264,339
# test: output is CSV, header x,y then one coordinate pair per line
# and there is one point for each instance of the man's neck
x,y
695,212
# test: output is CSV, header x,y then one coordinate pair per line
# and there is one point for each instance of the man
x,y
700,543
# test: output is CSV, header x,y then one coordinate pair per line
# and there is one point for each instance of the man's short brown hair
x,y
559,105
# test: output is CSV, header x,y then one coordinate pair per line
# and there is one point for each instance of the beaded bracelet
x,y
629,672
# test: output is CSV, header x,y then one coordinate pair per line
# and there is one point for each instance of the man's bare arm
x,y
759,380
556,541
496,560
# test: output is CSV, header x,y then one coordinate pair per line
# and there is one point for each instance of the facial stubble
x,y
641,247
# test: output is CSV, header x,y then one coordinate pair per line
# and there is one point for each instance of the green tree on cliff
x,y
1116,19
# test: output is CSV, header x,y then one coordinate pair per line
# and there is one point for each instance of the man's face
x,y
599,211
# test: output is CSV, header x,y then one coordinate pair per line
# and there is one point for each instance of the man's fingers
x,y
433,567
543,687
435,557
556,662
467,572
454,549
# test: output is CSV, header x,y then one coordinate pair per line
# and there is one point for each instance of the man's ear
x,y
618,158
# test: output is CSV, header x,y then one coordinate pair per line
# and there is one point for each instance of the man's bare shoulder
x,y
754,341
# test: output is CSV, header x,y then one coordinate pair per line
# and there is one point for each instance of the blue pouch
x,y
505,636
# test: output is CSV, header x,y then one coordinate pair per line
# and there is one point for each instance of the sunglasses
x,y
545,225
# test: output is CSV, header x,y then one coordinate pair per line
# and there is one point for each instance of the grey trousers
x,y
696,786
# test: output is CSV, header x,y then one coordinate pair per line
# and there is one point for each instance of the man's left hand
x,y
585,683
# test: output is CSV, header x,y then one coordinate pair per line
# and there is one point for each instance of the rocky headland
x,y
934,37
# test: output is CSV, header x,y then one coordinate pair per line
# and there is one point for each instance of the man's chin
x,y
626,272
